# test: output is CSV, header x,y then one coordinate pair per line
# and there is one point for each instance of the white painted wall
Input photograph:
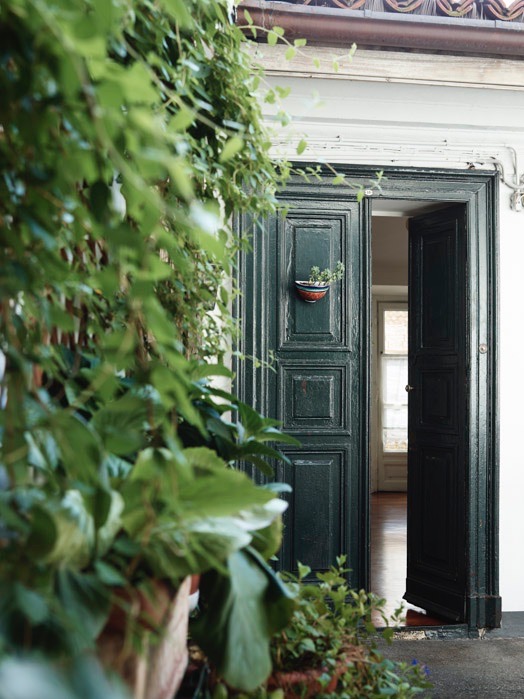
x,y
389,250
450,125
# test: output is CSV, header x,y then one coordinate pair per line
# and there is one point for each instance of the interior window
x,y
394,373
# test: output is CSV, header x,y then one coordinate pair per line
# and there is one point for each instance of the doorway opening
x,y
319,382
389,405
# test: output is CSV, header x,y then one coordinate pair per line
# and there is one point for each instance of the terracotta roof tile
x,y
504,10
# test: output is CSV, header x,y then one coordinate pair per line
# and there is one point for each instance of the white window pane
x,y
395,416
394,404
394,380
395,440
395,332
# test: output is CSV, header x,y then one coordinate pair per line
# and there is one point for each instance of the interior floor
x,y
389,555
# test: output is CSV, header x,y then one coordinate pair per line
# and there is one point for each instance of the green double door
x,y
318,386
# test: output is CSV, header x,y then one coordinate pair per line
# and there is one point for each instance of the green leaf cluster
x,y
327,276
329,622
331,636
129,135
247,602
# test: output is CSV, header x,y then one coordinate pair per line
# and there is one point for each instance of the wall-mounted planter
x,y
310,292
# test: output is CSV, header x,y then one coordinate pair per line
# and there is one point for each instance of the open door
x,y
437,413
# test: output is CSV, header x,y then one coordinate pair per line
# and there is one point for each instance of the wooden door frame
x,y
478,190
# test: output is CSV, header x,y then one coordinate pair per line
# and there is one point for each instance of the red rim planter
x,y
311,292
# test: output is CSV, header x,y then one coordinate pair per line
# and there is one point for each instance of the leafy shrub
x,y
330,622
332,638
129,134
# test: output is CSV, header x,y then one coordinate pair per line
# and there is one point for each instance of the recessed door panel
x,y
314,386
316,514
436,281
435,503
436,402
318,238
313,398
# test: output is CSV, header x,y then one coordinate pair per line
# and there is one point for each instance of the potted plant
x,y
99,558
317,286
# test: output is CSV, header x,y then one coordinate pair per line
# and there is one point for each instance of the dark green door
x,y
438,409
315,384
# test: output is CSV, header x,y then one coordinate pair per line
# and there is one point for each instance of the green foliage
x,y
329,617
159,96
129,134
245,436
245,607
331,635
327,276
329,621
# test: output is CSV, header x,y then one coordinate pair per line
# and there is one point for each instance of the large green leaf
x,y
43,535
33,604
86,603
241,612
79,445
75,532
202,545
204,458
120,424
220,492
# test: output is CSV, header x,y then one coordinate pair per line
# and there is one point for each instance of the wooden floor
x,y
388,556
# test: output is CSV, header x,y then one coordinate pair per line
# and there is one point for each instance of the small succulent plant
x,y
326,276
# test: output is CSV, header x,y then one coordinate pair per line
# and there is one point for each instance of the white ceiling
x,y
401,207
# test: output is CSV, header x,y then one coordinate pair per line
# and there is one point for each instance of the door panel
x,y
313,398
315,387
315,520
437,414
315,237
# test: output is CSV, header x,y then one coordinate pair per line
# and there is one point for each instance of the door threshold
x,y
436,632
424,633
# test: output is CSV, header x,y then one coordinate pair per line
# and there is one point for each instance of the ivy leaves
x,y
168,110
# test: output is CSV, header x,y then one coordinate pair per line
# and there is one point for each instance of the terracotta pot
x,y
157,670
148,609
195,584
305,683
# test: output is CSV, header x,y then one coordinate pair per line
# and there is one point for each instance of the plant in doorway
x,y
329,648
